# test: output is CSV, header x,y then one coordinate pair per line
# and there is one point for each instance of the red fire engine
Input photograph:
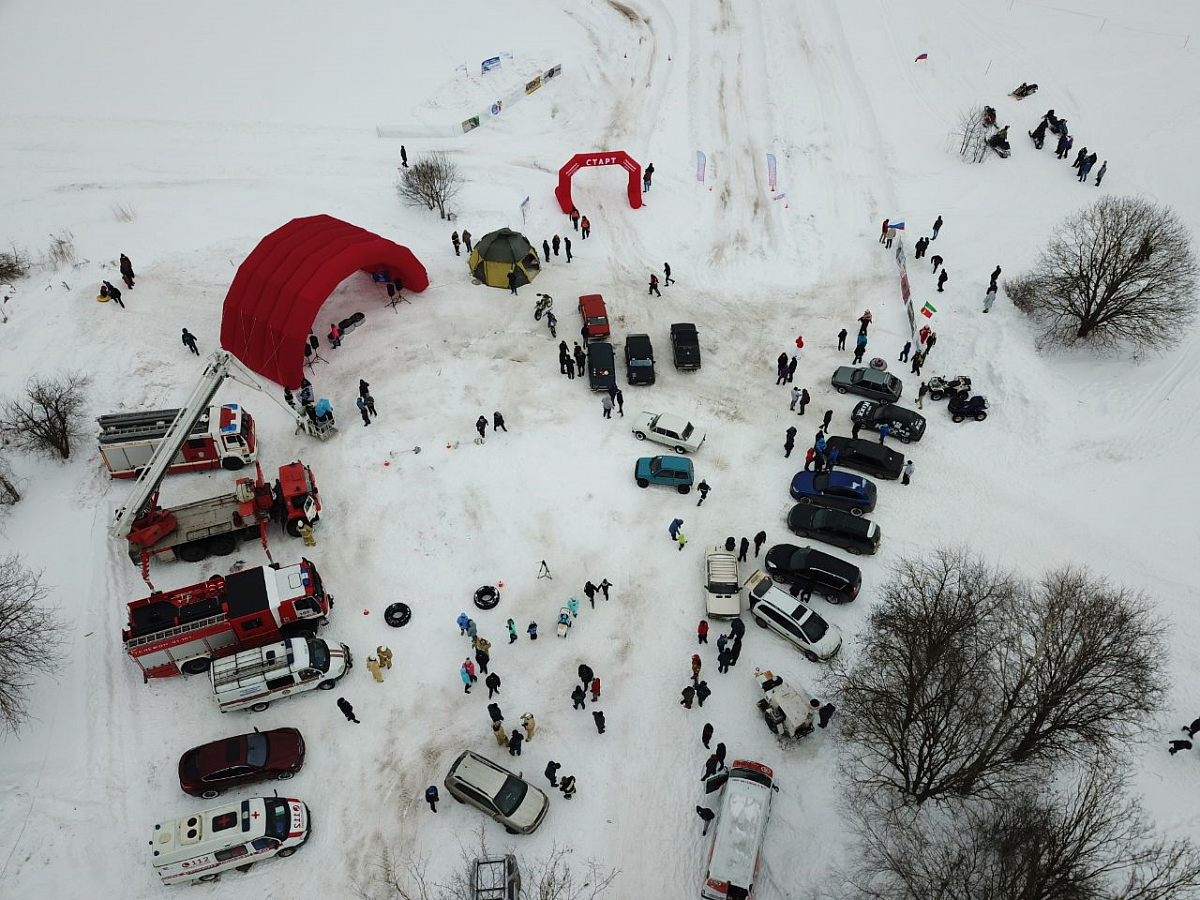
x,y
220,436
185,630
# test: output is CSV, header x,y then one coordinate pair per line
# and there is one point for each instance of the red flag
x,y
921,57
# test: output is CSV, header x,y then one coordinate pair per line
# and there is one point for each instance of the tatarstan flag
x,y
928,310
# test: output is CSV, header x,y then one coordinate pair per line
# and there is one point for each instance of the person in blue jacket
x,y
674,527
462,621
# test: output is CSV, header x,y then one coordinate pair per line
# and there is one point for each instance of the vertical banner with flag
x,y
771,171
700,165
524,210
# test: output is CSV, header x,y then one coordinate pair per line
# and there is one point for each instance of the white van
x,y
253,678
734,857
722,586
201,846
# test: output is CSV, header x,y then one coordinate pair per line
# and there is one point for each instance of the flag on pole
x,y
700,165
921,57
899,226
928,310
771,170
524,208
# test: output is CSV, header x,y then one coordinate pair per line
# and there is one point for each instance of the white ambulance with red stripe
x,y
201,846
253,678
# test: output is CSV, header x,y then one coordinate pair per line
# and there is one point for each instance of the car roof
x,y
672,421
484,774
602,349
638,341
678,463
683,328
859,447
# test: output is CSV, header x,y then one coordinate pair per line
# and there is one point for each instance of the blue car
x,y
835,490
673,470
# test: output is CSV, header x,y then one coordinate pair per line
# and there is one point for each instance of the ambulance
x,y
201,846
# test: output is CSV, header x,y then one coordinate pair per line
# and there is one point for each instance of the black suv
x,y
601,366
870,457
685,345
835,526
811,572
639,359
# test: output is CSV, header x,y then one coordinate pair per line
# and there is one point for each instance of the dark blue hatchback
x,y
836,490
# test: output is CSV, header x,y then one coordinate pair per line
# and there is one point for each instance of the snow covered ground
x,y
217,122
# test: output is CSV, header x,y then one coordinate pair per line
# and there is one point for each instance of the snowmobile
x,y
999,143
1024,91
962,408
940,386
544,302
564,622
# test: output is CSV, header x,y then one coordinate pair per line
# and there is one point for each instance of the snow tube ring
x,y
398,615
880,364
101,298
487,597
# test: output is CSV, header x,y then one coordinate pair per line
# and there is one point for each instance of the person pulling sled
x,y
1024,91
1039,135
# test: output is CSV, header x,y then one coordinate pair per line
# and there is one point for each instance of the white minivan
x,y
736,852
253,678
201,846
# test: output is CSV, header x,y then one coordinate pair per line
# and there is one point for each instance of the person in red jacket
x,y
654,285
702,631
585,227
595,688
575,218
335,335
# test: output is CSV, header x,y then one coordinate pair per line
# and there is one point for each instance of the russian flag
x,y
921,57
899,226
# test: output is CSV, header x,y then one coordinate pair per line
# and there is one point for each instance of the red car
x,y
209,769
595,317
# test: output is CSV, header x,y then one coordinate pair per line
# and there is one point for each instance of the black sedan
x,y
870,457
639,359
601,366
902,423
869,382
834,526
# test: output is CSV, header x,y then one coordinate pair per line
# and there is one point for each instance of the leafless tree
x,y
1087,840
14,264
1121,271
969,675
29,639
971,135
431,181
51,415
9,493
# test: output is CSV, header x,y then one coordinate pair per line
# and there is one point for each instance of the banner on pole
x,y
488,64
771,171
700,165
905,289
532,86
524,209
470,124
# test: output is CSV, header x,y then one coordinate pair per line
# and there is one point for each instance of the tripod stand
x,y
311,356
395,297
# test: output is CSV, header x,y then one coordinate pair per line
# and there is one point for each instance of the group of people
x,y
1084,161
556,244
109,292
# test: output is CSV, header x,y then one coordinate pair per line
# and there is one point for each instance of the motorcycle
x,y
544,302
552,323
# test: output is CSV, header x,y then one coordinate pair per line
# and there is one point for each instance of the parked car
x,y
595,316
940,386
602,367
722,587
664,428
870,457
962,408
903,424
509,799
685,345
211,768
639,359
810,572
835,490
834,526
795,622
673,470
873,383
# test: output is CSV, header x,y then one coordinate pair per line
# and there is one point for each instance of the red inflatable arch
x,y
279,289
614,158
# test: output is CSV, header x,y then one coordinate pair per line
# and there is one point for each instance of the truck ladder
x,y
175,631
236,673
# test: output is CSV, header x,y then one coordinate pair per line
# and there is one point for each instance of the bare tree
x,y
1120,271
431,181
1086,841
50,417
968,675
29,639
971,135
14,264
9,494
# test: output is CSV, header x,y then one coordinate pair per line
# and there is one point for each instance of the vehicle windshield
x,y
687,431
640,362
597,320
509,798
812,626
751,775
318,654
278,817
655,466
256,750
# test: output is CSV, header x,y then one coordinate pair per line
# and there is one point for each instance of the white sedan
x,y
677,433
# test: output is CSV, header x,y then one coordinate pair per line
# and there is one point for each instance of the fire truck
x,y
216,525
219,437
183,631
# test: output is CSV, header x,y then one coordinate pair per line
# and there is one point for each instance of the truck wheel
x,y
812,657
259,707
293,526
231,464
197,666
223,545
208,877
193,552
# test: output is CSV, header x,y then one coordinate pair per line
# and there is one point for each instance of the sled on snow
x,y
1025,90
564,622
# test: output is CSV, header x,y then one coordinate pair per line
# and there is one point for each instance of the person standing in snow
x,y
723,660
595,688
512,280
574,214
492,682
674,528
1100,174
189,341
532,629
824,714
942,279
789,442
462,622
578,697
1086,168
743,549
347,710
370,401
585,674
989,298
703,692
573,607
568,787
827,419
481,427
403,156
598,718
791,369
706,734
667,279
937,261
702,632
606,584
555,244
499,733
362,408
937,226
858,353
514,742
702,488
585,227
706,815
498,423
455,242
373,668
551,772
607,404
567,248
688,694
483,655
589,591
654,285
921,394
126,271
759,540
529,724
466,679
804,400
1061,147
710,767
696,666
781,365
647,175
1079,158
1039,135
580,359
842,339
466,239
384,654
431,797
929,342
884,230
546,250
795,398
809,455
908,472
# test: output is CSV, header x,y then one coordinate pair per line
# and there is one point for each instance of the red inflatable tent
x,y
611,158
279,289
